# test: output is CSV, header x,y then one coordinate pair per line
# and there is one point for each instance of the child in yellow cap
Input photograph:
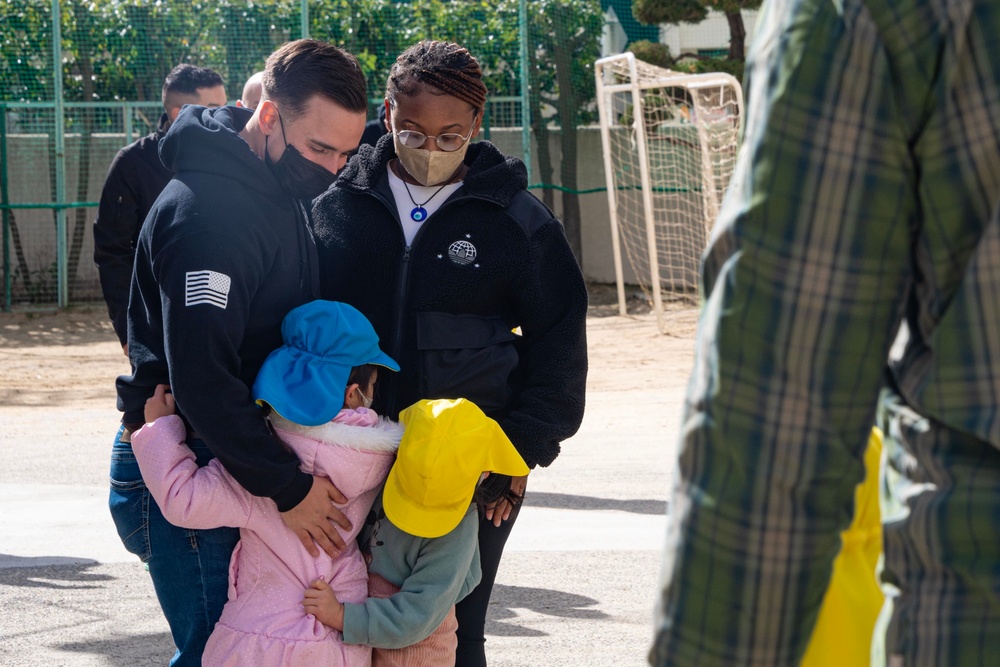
x,y
423,536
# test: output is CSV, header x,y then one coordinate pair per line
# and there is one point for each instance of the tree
x,y
248,31
85,35
376,31
695,11
565,35
25,39
654,12
542,77
654,53
25,74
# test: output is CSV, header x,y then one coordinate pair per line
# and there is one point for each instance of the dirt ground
x,y
71,357
58,369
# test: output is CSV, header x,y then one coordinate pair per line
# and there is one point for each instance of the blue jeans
x,y
189,568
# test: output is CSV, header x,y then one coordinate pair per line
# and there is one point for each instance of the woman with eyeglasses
x,y
468,279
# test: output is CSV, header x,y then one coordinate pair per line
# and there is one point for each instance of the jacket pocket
x,y
466,356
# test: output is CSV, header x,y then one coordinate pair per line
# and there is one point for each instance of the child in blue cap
x,y
318,386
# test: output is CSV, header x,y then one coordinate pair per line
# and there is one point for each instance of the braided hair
x,y
446,66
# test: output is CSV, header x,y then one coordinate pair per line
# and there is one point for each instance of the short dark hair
x,y
445,66
362,375
186,79
299,70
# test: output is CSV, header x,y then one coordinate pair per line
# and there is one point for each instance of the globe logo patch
x,y
462,252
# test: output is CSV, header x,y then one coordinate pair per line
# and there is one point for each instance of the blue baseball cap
x,y
304,379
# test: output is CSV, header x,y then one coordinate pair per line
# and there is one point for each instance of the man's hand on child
x,y
313,519
320,601
501,510
160,404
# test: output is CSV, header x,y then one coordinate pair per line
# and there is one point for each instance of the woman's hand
x,y
501,510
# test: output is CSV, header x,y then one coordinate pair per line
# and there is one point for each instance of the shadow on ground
x,y
122,652
57,573
566,501
546,601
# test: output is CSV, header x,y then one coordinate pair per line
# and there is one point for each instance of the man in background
x,y
251,92
376,128
135,179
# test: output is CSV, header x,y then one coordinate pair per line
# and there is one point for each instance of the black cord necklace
x,y
419,213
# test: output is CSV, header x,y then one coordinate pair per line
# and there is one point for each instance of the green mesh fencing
x,y
60,127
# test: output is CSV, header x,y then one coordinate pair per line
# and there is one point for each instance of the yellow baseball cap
x,y
446,447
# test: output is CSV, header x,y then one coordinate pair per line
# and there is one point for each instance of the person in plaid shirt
x,y
854,272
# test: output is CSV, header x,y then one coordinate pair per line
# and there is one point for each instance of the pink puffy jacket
x,y
264,623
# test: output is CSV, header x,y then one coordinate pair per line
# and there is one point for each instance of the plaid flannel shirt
x,y
860,234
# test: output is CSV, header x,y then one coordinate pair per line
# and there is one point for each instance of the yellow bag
x,y
843,633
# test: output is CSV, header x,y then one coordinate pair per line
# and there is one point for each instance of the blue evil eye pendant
x,y
418,214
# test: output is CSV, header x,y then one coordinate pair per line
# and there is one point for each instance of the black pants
x,y
471,612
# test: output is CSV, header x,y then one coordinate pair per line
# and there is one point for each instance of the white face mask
x,y
365,401
430,167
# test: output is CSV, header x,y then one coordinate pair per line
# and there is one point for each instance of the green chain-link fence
x,y
61,126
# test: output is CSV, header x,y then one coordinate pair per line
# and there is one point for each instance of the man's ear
x,y
388,115
267,116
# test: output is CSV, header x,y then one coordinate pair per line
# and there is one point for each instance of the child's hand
x,y
320,601
160,404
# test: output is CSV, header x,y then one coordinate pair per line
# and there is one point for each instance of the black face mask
x,y
299,177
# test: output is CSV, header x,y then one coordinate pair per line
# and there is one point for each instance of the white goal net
x,y
670,142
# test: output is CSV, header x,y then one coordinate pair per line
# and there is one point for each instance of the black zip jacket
x,y
222,258
491,259
135,179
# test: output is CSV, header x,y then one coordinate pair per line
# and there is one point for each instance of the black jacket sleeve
x,y
552,311
115,229
202,337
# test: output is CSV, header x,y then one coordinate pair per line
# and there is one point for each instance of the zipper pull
x,y
406,254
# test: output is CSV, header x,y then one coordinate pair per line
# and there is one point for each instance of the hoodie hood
x,y
163,125
356,458
201,140
380,438
492,175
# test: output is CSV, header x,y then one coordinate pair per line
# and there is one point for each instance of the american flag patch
x,y
206,287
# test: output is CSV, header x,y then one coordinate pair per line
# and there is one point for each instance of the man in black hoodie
x,y
224,254
135,179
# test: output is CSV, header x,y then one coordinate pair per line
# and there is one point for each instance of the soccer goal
x,y
670,142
